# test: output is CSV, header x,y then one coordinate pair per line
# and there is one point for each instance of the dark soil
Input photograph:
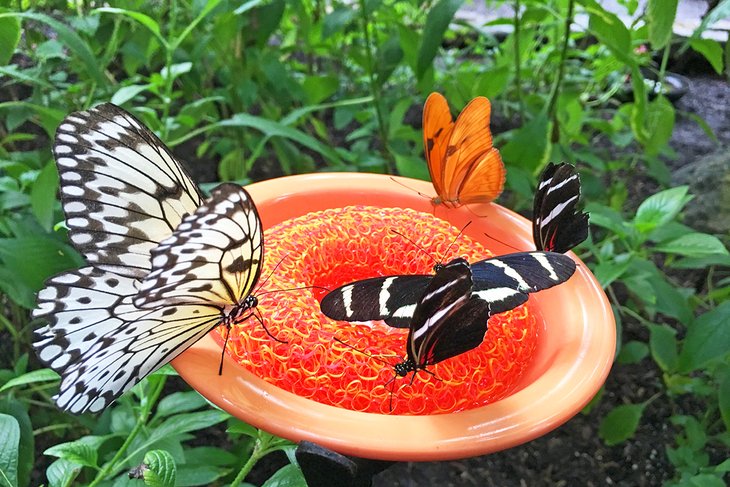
x,y
574,454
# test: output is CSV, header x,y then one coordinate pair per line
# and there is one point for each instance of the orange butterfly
x,y
464,166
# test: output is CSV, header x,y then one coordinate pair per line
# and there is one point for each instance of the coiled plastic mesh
x,y
337,246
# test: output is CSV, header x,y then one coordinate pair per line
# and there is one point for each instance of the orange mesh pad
x,y
337,246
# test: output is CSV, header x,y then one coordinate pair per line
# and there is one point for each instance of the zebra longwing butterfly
x,y
557,224
164,270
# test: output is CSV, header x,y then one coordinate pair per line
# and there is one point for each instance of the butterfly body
x,y
463,164
163,269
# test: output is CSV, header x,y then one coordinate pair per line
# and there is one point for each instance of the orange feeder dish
x,y
538,366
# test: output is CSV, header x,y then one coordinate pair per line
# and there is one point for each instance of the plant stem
x,y
555,93
256,455
375,89
518,63
141,422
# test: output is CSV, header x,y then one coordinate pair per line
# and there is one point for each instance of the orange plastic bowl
x,y
571,362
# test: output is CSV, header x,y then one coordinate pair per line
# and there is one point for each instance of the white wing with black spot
x,y
121,188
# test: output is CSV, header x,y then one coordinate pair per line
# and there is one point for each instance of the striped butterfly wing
x,y
108,331
392,299
449,319
121,189
214,256
558,225
101,343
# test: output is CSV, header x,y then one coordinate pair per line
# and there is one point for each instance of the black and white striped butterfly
x,y
138,305
558,225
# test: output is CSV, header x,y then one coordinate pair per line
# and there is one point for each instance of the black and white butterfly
x,y
558,225
504,282
164,270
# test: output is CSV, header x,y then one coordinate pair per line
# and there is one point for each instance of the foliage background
x,y
249,90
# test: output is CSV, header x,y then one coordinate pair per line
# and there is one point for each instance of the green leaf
x,y
138,17
319,88
608,271
660,120
9,38
660,208
339,19
189,476
240,427
186,423
437,23
71,40
669,300
693,245
275,129
161,469
126,93
720,12
43,196
62,472
620,424
529,145
209,455
83,451
663,346
702,262
660,17
10,434
707,340
180,402
711,50
287,476
42,375
610,31
26,449
633,353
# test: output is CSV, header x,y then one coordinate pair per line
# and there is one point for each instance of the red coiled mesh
x,y
337,246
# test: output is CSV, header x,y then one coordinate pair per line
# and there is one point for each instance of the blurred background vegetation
x,y
250,90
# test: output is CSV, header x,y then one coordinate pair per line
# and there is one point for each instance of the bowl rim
x,y
574,360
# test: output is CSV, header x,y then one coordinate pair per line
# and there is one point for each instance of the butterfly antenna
x,y
362,351
434,259
505,243
453,242
412,189
260,319
272,272
293,289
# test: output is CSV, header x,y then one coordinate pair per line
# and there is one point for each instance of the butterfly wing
x,y
558,225
122,190
391,298
437,127
101,343
214,256
448,319
505,281
473,169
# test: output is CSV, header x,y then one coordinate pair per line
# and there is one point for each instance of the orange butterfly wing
x,y
437,127
469,169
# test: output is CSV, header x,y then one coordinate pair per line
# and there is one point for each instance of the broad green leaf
x,y
41,375
693,245
246,6
9,38
608,271
176,70
660,17
26,448
711,50
43,196
319,88
179,402
288,476
188,422
610,31
660,208
9,449
243,428
707,340
126,93
529,145
663,346
669,300
189,476
620,424
702,262
62,473
723,396
209,455
633,352
660,121
337,20
71,40
83,451
437,23
161,469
